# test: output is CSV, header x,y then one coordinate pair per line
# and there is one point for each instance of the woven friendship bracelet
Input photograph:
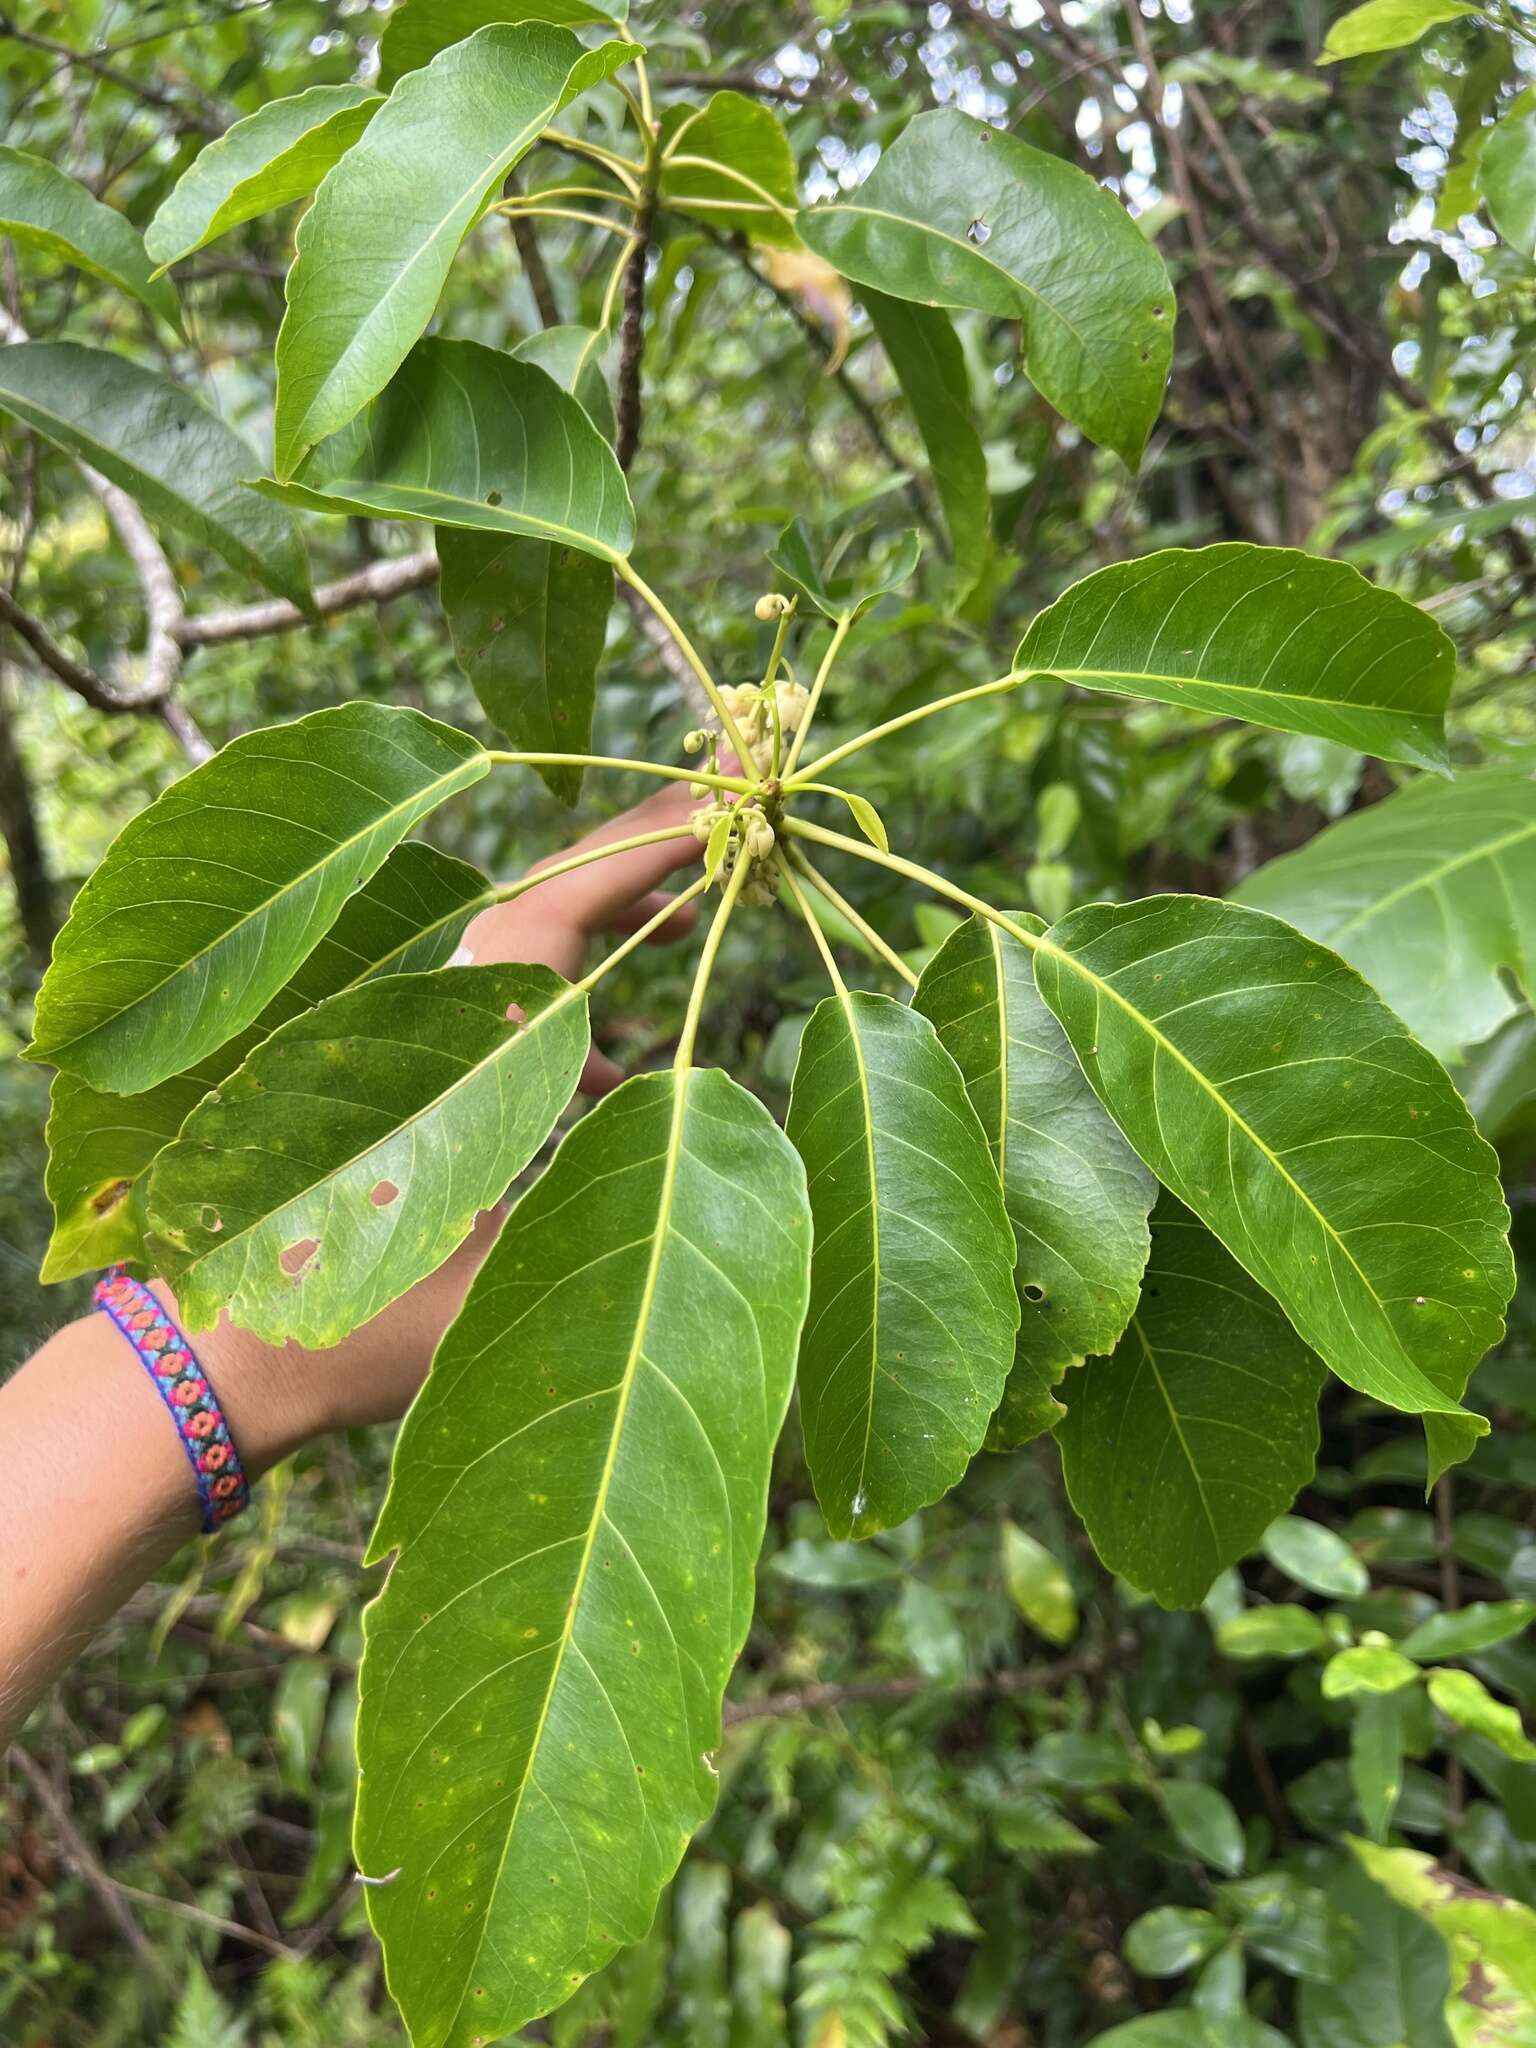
x,y
222,1487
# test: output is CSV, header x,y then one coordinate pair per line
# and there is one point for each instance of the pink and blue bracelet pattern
x,y
222,1487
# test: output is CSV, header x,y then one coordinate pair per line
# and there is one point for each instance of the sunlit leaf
x,y
235,874
1038,1585
959,214
417,29
577,1503
1507,174
1268,634
1387,25
913,1309
730,163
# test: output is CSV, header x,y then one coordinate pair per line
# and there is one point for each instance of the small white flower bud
x,y
772,606
693,742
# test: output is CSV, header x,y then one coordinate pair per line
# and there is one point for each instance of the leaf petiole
x,y
630,575
834,647
800,828
739,783
683,1058
813,922
861,925
624,168
696,887
820,766
515,210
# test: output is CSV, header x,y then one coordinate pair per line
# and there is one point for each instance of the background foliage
x,y
973,1789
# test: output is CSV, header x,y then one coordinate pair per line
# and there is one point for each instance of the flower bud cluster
x,y
753,839
750,705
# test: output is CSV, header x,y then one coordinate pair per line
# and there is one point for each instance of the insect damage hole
x,y
382,1193
297,1256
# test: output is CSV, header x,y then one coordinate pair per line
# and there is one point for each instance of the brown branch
x,y
379,581
627,399
531,256
36,899
810,1699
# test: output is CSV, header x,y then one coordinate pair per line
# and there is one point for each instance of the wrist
x,y
271,1396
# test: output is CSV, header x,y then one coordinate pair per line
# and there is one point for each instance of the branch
x,y
809,1699
375,584
531,256
36,898
627,400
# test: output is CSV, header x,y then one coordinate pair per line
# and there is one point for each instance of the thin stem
x,y
703,163
683,1058
739,783
588,982
861,925
802,904
509,891
771,677
643,106
630,575
624,168
543,192
802,829
514,210
820,766
839,634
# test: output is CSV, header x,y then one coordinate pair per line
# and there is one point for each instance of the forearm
x,y
96,1493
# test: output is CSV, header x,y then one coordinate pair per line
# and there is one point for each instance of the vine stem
x,y
627,573
813,922
739,783
683,1058
820,766
840,633
801,828
588,982
861,924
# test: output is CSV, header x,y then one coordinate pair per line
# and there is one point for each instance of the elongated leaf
x,y
578,1500
730,163
180,461
1387,25
408,916
418,29
1077,1195
846,593
372,252
207,902
42,208
1393,1994
466,436
1432,895
958,214
279,153
930,368
1269,634
352,1151
1507,174
913,1308
1224,1044
1181,1448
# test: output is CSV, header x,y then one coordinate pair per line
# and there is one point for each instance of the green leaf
x,y
958,214
1467,1630
1462,1697
418,29
1268,634
868,820
1492,1939
1315,1557
1377,1741
42,208
1271,1632
1431,895
719,840
797,557
1037,1585
1393,1995
372,253
180,461
529,619
209,899
1172,1939
913,1309
835,1567
1205,1822
279,153
925,354
1223,1043
1507,174
1077,1195
539,1704
466,436
1178,1450
352,1151
745,182
573,357
1367,1668
407,917
1387,25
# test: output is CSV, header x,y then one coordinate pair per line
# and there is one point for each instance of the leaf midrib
x,y
543,529
1097,677
1433,876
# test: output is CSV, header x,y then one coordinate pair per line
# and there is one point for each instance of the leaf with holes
x,y
177,459
418,29
959,214
274,156
924,351
351,1152
913,1309
730,163
41,208
1431,895
466,436
237,871
1077,1195
540,1705
374,250
1280,1099
1268,634
408,917
1182,1446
